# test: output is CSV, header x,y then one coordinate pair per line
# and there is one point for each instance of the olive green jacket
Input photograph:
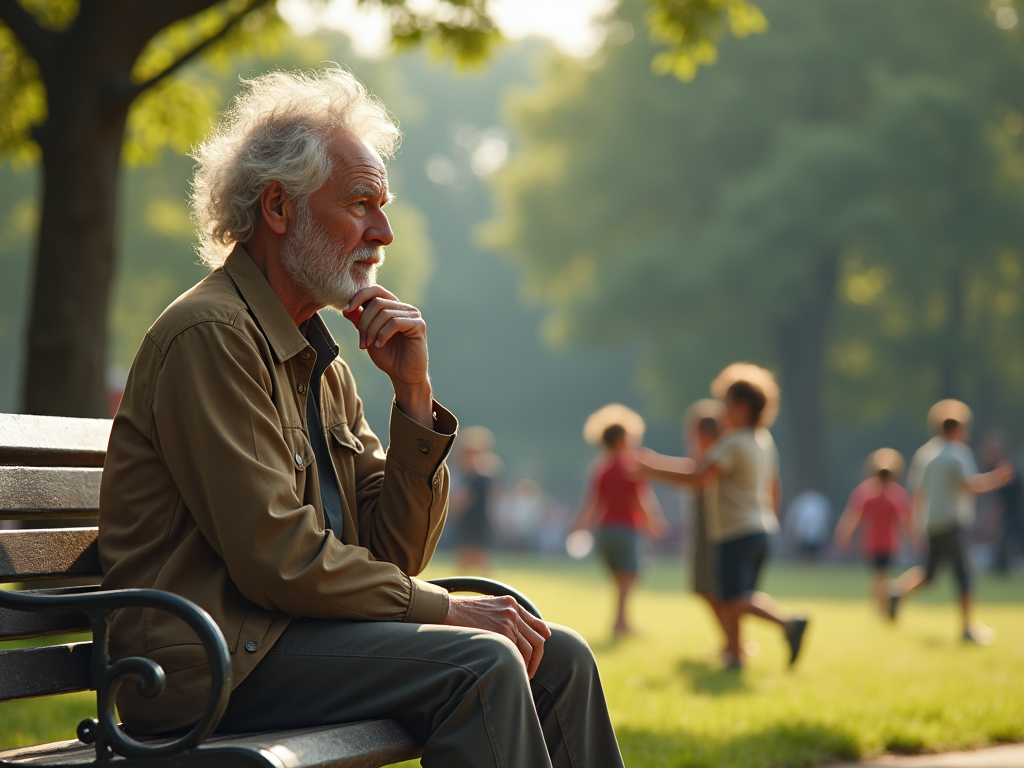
x,y
210,491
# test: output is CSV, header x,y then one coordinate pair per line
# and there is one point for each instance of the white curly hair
x,y
278,128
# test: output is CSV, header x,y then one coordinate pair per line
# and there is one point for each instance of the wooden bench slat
x,y
368,744
30,672
49,492
53,441
23,625
49,553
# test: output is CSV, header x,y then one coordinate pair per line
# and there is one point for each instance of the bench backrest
x,y
49,472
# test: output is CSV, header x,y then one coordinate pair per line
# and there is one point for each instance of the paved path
x,y
1005,756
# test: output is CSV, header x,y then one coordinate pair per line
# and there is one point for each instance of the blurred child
x,y
702,427
621,504
884,507
937,414
474,481
944,509
745,464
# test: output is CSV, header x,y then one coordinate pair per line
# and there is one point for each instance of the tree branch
x,y
157,14
38,41
186,57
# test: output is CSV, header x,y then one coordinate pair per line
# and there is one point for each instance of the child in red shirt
x,y
884,507
619,501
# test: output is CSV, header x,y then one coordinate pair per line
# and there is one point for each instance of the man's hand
x,y
504,616
395,336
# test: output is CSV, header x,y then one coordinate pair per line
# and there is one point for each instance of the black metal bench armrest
x,y
106,678
486,587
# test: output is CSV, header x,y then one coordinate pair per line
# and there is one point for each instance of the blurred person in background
x,y
522,514
474,487
702,428
622,505
943,507
745,465
810,516
1009,504
937,414
883,506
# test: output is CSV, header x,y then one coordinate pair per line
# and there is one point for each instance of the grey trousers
x,y
463,692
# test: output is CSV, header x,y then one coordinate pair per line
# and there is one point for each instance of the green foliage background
x,y
659,228
488,361
855,168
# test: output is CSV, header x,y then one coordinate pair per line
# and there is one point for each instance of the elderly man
x,y
242,475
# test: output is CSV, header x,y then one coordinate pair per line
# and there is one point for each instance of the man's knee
x,y
494,655
566,654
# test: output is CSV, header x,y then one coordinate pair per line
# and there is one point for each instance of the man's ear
x,y
276,208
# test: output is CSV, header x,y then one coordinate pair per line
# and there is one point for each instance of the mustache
x,y
369,253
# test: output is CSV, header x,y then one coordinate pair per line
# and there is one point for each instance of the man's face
x,y
337,241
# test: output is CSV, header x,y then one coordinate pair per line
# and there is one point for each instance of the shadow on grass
x,y
711,679
796,745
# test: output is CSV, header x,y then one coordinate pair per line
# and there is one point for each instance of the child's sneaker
x,y
979,634
795,637
894,602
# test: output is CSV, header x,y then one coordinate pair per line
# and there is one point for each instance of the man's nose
x,y
379,232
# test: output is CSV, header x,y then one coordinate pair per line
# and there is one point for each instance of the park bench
x,y
49,481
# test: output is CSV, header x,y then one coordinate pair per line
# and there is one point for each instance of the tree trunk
x,y
65,367
953,353
802,343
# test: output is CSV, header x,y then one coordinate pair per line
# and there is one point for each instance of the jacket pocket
x,y
299,448
344,437
253,630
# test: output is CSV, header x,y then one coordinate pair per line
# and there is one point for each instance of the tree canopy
x,y
84,84
835,199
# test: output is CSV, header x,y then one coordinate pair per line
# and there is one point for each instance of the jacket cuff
x,y
428,603
417,447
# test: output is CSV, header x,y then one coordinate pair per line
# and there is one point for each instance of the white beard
x,y
314,261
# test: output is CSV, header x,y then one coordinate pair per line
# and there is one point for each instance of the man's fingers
x,y
388,324
536,643
538,625
376,314
371,292
374,307
525,647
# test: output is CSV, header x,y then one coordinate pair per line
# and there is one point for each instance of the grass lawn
x,y
864,686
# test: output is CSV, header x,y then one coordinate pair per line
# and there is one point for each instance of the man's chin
x,y
342,302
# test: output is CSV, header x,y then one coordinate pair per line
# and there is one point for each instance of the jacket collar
x,y
284,337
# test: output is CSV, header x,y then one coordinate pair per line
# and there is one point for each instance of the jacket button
x,y
302,389
251,646
424,445
305,355
298,461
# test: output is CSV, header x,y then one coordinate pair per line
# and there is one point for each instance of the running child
x,y
745,464
621,504
881,504
944,508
